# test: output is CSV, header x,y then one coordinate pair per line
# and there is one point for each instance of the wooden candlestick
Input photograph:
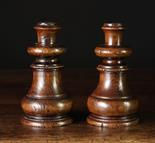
x,y
110,104
46,104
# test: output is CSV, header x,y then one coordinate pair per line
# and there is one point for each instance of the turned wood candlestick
x,y
111,104
46,104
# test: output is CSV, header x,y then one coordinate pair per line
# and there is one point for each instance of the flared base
x,y
46,122
112,122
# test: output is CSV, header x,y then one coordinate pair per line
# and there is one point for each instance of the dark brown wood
x,y
46,104
14,85
111,104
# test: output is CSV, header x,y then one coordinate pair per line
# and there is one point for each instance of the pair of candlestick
x,y
110,104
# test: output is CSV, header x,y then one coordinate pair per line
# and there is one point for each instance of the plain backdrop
x,y
81,22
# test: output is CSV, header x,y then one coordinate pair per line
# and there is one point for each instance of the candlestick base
x,y
46,122
112,122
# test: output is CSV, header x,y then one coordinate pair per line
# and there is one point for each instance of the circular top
x,y
112,26
47,25
46,33
113,34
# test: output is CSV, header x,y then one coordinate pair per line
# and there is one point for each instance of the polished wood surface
x,y
46,104
111,104
78,83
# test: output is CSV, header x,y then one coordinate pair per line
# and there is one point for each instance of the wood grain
x,y
111,104
14,86
46,104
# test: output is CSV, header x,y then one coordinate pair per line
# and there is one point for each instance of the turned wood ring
x,y
113,52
